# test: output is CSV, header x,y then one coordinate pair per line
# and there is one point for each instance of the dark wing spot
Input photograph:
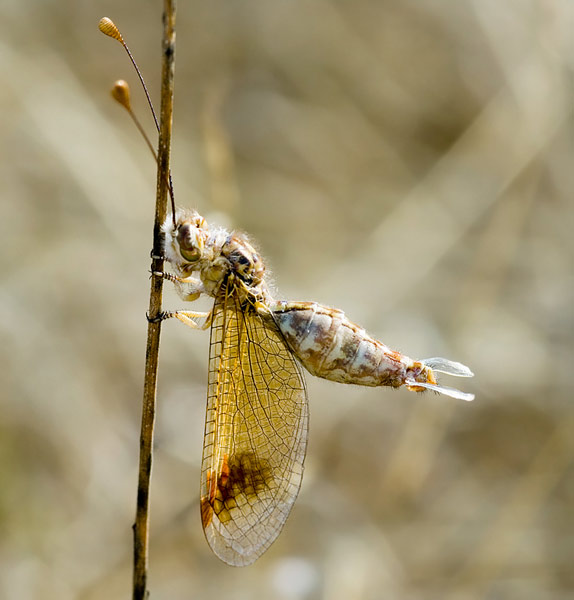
x,y
242,475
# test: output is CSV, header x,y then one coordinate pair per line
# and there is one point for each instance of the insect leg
x,y
188,317
175,279
188,288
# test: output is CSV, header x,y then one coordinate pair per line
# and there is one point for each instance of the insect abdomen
x,y
331,346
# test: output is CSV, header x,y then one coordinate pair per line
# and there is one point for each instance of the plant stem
x,y
141,525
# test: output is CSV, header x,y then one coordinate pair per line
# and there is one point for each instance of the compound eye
x,y
186,241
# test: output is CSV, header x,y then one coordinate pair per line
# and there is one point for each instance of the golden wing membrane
x,y
255,432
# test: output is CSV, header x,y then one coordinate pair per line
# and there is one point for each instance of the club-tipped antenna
x,y
108,27
121,93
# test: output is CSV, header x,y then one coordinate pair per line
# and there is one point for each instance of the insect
x,y
257,413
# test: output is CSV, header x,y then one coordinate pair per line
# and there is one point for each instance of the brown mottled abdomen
x,y
330,346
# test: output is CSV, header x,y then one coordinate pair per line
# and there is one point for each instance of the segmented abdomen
x,y
330,346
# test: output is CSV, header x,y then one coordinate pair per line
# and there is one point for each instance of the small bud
x,y
107,27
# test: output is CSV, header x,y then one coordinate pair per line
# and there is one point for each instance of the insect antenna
x,y
121,93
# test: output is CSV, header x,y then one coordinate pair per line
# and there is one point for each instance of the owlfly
x,y
257,413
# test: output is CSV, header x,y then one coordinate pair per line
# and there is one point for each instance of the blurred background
x,y
409,162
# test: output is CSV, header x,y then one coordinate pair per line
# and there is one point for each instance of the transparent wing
x,y
255,433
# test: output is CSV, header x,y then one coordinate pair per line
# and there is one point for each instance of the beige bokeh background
x,y
408,162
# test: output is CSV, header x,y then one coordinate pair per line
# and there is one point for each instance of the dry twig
x,y
141,526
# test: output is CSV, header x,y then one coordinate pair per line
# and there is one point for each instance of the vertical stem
x,y
141,525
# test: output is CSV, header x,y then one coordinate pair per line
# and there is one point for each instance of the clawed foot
x,y
161,316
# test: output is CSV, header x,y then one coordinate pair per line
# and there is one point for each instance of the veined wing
x,y
255,433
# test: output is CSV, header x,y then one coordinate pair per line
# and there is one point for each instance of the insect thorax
x,y
246,270
244,262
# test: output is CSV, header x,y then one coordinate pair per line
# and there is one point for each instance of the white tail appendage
x,y
443,365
